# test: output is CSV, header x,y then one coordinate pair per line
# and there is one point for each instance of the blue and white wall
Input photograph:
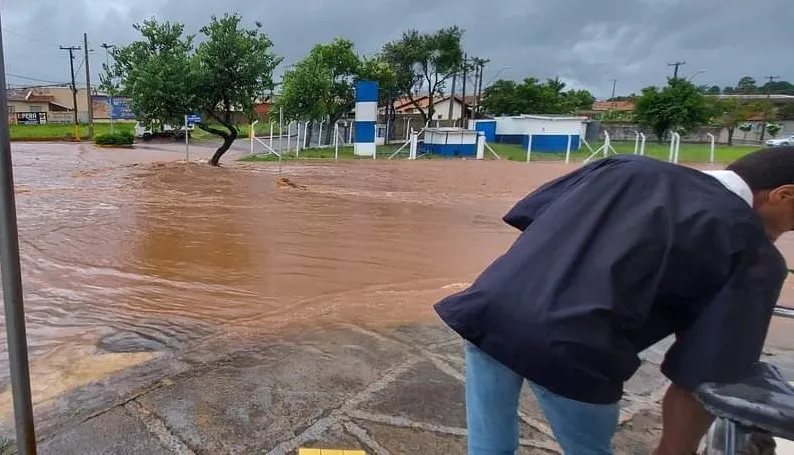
x,y
549,134
366,118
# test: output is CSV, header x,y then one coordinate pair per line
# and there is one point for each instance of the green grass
x,y
383,151
61,131
689,153
262,129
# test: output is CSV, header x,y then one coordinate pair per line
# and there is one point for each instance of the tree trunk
x,y
228,138
309,128
329,133
730,135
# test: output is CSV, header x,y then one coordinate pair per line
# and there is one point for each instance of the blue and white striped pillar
x,y
366,117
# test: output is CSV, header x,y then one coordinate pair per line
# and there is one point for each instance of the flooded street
x,y
128,254
122,260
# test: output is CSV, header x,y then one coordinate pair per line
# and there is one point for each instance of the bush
x,y
117,138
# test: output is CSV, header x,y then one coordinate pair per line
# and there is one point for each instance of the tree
x,y
730,113
746,85
167,78
679,107
577,100
786,112
320,86
533,97
424,61
714,90
154,72
233,68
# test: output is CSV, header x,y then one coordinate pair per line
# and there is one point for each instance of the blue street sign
x,y
192,119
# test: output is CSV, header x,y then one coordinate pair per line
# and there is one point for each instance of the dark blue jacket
x,y
614,257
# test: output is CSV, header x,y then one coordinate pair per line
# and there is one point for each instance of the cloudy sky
x,y
586,42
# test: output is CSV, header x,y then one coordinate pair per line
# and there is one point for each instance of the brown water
x,y
124,258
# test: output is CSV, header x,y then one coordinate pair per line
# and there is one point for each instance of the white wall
x,y
564,126
442,110
530,125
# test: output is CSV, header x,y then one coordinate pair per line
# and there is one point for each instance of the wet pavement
x,y
207,310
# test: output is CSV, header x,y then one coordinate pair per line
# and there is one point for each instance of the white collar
x,y
733,182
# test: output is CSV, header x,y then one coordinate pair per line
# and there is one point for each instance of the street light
x,y
689,79
501,70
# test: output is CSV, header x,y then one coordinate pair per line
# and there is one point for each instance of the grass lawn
x,y
262,129
383,151
61,131
691,153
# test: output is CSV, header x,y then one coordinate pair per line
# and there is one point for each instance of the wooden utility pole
x,y
71,50
676,65
88,89
450,115
478,94
463,95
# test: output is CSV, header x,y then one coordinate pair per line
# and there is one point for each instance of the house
x,y
441,106
31,100
54,102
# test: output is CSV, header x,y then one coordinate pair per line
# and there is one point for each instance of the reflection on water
x,y
122,261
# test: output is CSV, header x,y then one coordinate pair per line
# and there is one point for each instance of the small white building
x,y
543,133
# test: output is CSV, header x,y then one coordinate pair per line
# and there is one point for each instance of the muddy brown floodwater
x,y
124,257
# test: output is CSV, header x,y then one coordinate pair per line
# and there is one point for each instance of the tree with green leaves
x,y
166,77
154,72
534,97
746,85
678,107
232,69
730,113
320,86
423,62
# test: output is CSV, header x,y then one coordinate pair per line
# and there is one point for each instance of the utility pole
x,y
71,50
676,65
13,300
614,87
465,64
88,89
107,48
771,79
452,97
478,99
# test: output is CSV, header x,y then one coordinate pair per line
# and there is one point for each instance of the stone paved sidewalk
x,y
399,391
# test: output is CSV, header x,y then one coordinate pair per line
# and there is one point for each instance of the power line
x,y
35,79
23,36
71,50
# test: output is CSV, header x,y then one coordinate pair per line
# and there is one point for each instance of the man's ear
x,y
781,194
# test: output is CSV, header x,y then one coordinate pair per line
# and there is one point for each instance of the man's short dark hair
x,y
766,169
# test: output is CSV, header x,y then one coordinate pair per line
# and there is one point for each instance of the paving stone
x,y
423,394
115,432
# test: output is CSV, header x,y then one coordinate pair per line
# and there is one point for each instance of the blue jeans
x,y
492,393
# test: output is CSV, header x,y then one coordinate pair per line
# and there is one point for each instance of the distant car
x,y
146,133
788,140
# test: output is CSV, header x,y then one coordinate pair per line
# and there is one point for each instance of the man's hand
x,y
684,423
